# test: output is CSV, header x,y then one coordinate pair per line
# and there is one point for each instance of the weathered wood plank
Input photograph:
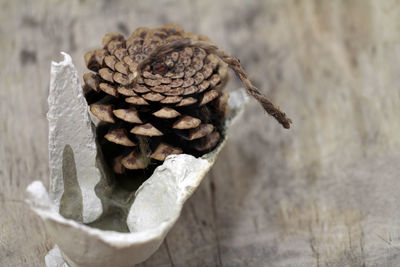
x,y
323,193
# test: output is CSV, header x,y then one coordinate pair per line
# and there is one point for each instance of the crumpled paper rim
x,y
41,204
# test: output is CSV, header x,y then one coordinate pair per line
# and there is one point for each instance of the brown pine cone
x,y
160,92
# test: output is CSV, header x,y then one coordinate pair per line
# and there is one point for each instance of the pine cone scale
x,y
129,115
119,136
187,101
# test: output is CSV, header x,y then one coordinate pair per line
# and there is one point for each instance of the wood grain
x,y
324,193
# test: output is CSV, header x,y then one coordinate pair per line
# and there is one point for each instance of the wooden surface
x,y
325,193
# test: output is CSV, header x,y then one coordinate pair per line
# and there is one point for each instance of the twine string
x,y
232,62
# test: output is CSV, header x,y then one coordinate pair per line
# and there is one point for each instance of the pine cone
x,y
174,105
160,92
